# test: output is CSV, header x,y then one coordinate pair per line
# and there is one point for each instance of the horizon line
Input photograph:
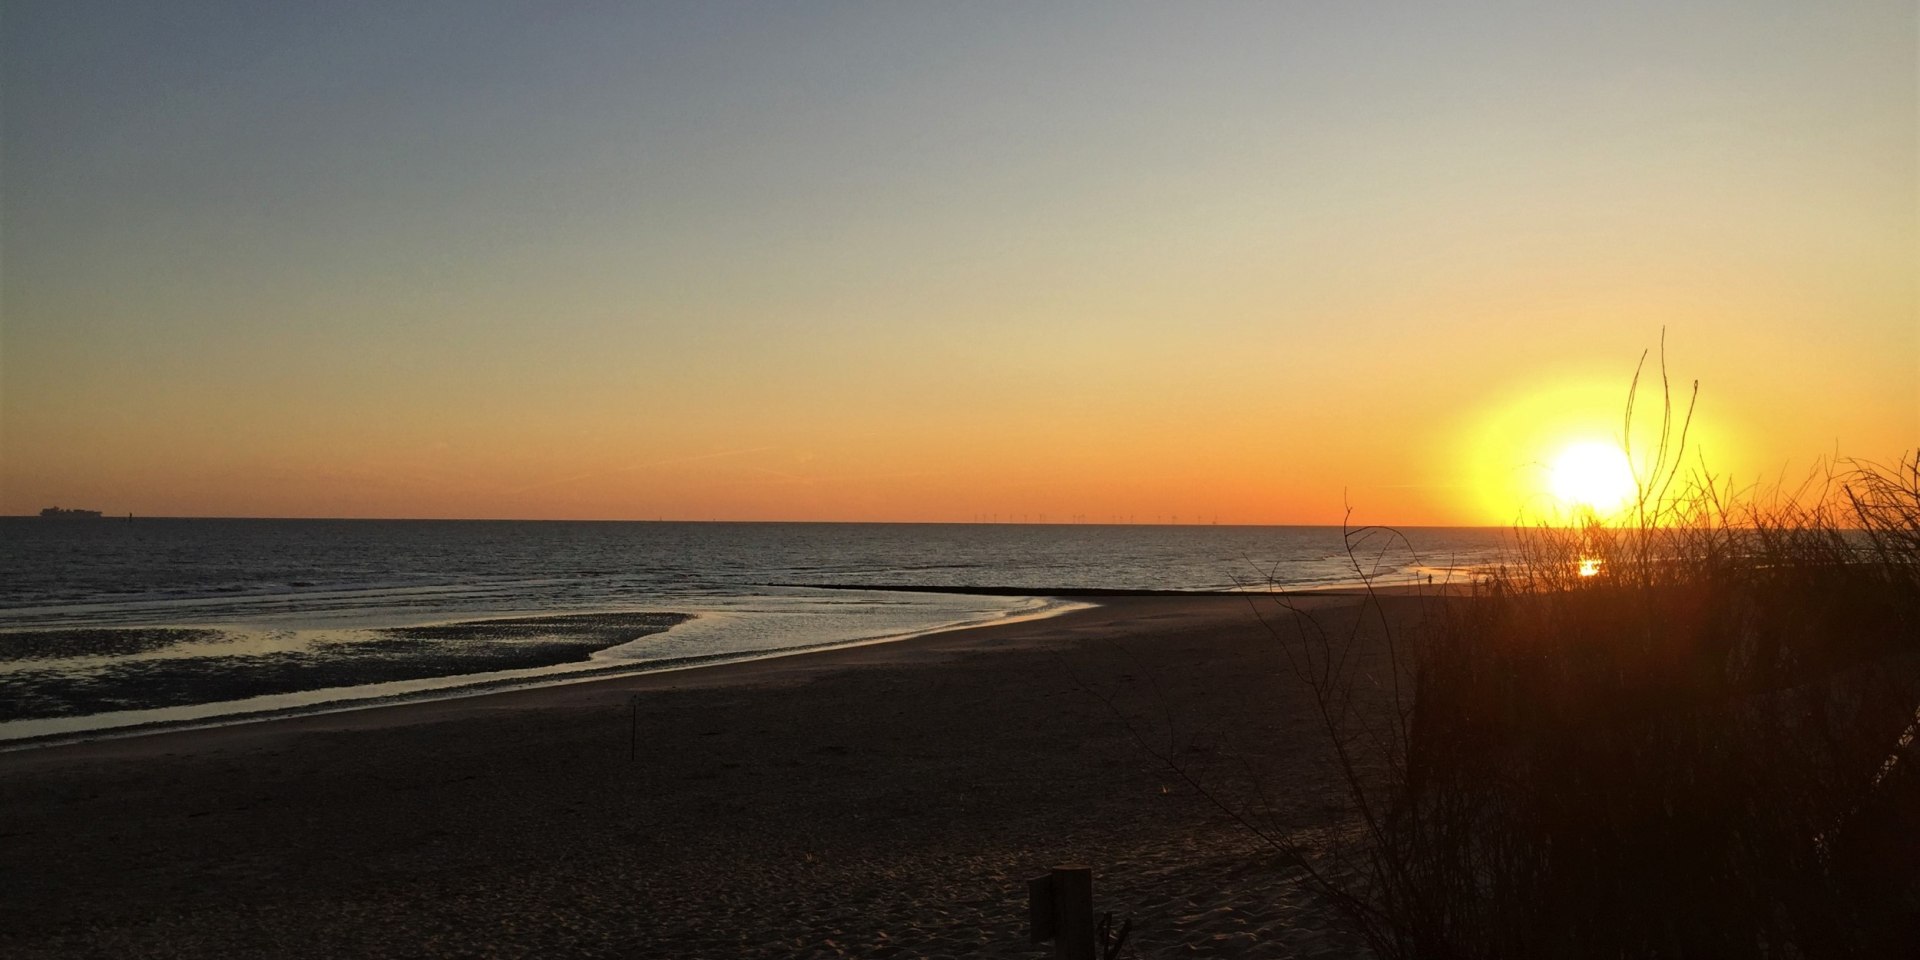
x,y
111,517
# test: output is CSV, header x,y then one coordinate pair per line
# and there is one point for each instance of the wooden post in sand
x,y
1060,908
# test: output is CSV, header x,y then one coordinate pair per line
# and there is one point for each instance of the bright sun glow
x,y
1593,475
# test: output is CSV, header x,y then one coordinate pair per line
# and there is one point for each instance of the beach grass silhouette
x,y
1686,730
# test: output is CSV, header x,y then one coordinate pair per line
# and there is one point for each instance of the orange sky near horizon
x,y
857,263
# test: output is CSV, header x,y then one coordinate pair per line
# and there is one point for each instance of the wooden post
x,y
1060,908
1073,913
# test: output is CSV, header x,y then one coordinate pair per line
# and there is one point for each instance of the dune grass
x,y
1687,732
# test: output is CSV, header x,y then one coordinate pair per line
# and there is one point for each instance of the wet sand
x,y
881,801
361,657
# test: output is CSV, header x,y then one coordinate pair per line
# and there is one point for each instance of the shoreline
x,y
276,707
883,799
595,668
746,670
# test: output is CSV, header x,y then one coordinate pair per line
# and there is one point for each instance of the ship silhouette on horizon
x,y
60,513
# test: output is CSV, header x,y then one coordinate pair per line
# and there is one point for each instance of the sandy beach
x,y
889,800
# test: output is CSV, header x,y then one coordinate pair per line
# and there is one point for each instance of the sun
x,y
1593,475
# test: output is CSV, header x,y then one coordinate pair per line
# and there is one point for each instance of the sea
x,y
113,626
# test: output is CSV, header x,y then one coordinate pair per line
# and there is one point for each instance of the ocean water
x,y
110,624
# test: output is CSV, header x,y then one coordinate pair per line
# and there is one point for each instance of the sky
x,y
1244,263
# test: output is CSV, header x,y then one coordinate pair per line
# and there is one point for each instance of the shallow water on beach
x,y
114,622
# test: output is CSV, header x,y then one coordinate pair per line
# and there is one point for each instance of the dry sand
x,y
881,801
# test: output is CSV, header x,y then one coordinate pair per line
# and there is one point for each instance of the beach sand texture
x,y
882,801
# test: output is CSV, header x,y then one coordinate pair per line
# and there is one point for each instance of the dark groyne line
x,y
1063,592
